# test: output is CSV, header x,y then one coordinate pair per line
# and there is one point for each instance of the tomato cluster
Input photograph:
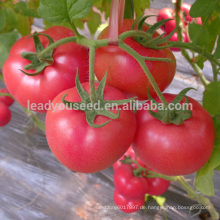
x,y
83,148
5,113
130,190
169,13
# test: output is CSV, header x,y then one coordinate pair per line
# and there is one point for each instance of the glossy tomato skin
x,y
5,114
128,185
171,149
82,148
127,205
167,13
125,73
6,99
54,78
129,152
157,186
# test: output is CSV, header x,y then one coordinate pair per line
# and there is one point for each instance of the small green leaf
x,y
2,18
129,9
23,24
195,30
204,182
160,200
61,11
217,168
140,6
6,42
202,8
22,8
94,21
217,51
211,98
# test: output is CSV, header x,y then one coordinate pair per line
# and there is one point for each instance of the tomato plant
x,y
135,61
54,78
124,72
171,149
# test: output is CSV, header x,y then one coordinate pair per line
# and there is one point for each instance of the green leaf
x,y
160,200
129,9
6,42
11,21
217,51
22,8
94,21
61,11
200,33
204,181
211,98
202,8
140,6
23,24
217,168
2,18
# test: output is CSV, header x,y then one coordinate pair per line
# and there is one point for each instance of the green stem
x,y
194,48
152,174
195,196
198,71
215,72
6,94
178,20
35,119
142,63
78,35
1,77
56,44
92,74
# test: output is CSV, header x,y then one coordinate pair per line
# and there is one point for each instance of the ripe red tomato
x,y
124,72
6,99
5,114
127,205
185,8
167,13
81,147
54,79
171,149
157,186
129,152
128,185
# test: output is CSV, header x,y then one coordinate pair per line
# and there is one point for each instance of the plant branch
x,y
78,35
215,72
92,74
141,61
56,44
195,196
198,71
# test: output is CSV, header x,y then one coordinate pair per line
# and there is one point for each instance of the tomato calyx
x,y
148,40
170,114
139,171
90,108
36,63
